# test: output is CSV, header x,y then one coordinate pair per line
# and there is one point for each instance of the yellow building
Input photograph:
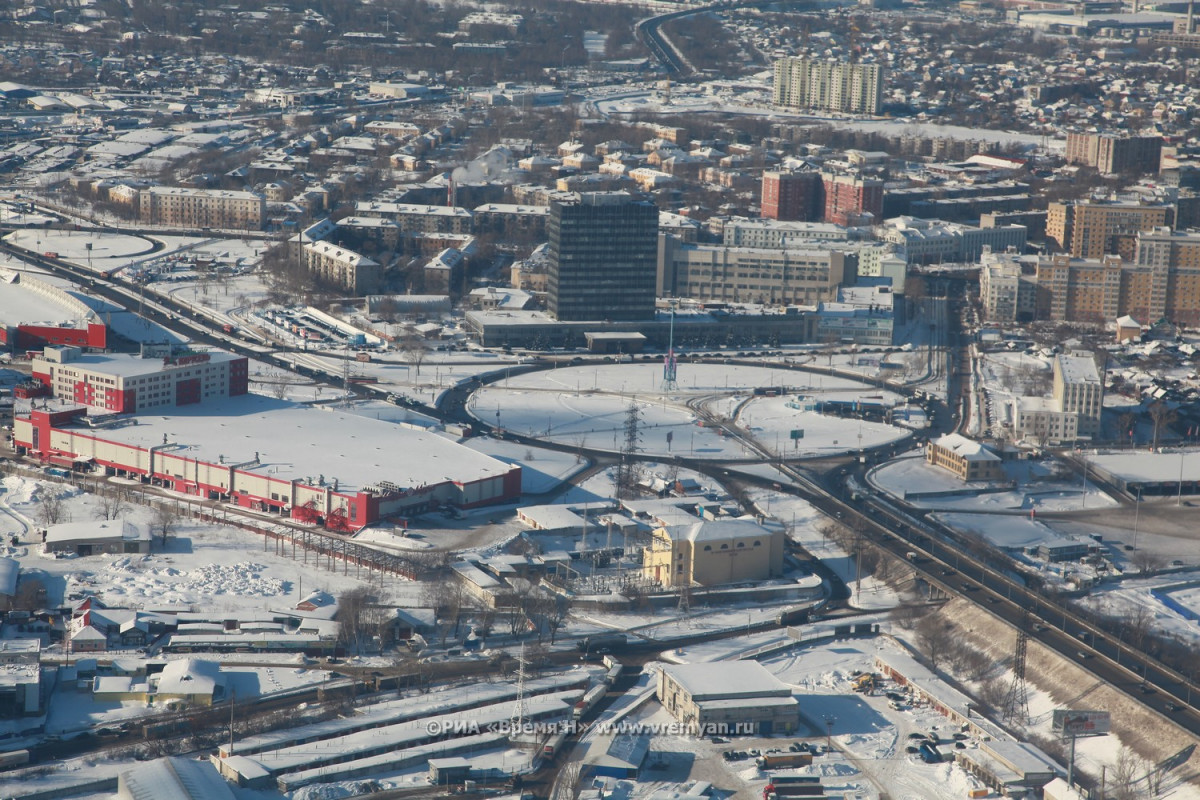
x,y
709,553
967,459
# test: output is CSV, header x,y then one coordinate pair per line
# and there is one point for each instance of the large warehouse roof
x,y
297,441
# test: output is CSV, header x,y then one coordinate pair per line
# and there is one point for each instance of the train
x,y
792,616
602,642
554,745
589,701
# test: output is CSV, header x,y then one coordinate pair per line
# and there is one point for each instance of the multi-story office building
x,y
715,273
849,199
828,85
603,252
1091,230
343,267
792,196
932,241
161,377
201,208
742,232
1112,153
1006,294
1071,412
1079,390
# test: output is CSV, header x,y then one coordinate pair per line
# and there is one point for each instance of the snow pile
x,y
244,579
135,577
21,491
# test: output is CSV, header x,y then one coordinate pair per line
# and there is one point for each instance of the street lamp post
x,y
1137,510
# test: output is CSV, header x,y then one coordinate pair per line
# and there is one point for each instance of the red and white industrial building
x,y
160,377
315,463
35,313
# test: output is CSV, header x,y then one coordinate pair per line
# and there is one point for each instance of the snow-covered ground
x,y
1039,487
204,566
587,406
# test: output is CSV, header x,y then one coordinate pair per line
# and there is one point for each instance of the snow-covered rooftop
x,y
291,439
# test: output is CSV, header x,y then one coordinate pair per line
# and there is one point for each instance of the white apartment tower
x,y
828,85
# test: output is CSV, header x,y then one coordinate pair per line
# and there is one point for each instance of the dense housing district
x,y
574,400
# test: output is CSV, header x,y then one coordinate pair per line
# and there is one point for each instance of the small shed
x,y
614,342
448,771
1128,328
93,538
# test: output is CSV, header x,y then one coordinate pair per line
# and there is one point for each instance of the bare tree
x,y
1138,623
112,504
281,385
935,638
1125,783
51,510
558,615
414,350
1125,426
165,521
1161,414
352,617
907,616
569,784
1146,562
31,595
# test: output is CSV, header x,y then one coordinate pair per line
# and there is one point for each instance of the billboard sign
x,y
1069,722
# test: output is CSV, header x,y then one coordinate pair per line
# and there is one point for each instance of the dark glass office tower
x,y
603,257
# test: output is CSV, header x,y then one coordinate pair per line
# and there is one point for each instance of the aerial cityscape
x,y
587,399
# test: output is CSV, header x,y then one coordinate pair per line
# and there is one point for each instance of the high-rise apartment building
x,y
1164,279
1161,281
1091,230
603,253
1112,153
828,85
849,198
201,208
792,196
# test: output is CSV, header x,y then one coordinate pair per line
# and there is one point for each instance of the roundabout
x,y
708,414
103,253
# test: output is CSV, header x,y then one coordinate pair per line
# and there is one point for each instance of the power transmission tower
x,y
1016,702
626,472
670,365
685,598
519,708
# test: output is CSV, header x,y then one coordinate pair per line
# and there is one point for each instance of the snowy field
x,y
109,252
587,406
771,421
